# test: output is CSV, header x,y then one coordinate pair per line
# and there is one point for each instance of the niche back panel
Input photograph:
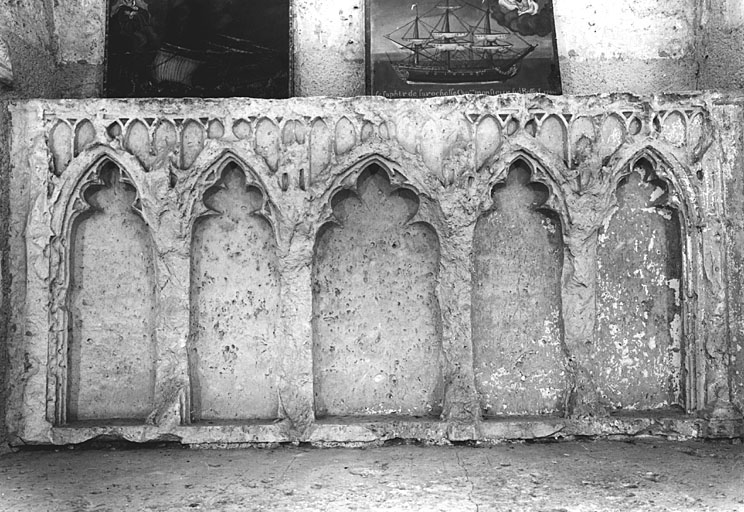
x,y
377,338
639,356
112,306
517,334
234,305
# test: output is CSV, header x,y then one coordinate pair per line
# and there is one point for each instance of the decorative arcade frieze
x,y
352,270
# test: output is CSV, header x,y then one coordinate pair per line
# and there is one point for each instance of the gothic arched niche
x,y
234,305
516,308
639,353
111,349
376,321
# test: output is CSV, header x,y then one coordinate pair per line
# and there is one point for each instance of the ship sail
x,y
446,46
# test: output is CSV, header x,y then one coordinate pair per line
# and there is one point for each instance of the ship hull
x,y
419,75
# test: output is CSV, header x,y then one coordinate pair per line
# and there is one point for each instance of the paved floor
x,y
583,476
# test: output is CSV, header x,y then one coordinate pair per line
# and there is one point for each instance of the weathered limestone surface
x,y
4,281
376,340
517,335
639,262
111,360
331,213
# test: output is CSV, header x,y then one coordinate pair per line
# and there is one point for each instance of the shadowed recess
x,y
234,305
376,321
112,305
639,352
516,314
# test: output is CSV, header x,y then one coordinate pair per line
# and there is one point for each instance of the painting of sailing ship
x,y
207,48
447,47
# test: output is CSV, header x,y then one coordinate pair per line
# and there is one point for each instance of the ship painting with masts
x,y
445,48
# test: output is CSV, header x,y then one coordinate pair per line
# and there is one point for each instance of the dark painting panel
x,y
202,48
447,47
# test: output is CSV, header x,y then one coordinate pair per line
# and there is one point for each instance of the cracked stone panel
x,y
111,305
517,327
234,305
376,325
639,352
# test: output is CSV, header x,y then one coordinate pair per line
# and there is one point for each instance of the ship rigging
x,y
443,47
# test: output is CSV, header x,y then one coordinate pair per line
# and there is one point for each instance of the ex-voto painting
x,y
204,48
448,47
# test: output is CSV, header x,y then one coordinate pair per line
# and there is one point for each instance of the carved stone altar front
x,y
243,271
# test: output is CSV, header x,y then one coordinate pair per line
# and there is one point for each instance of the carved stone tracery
x,y
299,155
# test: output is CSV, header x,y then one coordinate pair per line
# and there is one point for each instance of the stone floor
x,y
643,474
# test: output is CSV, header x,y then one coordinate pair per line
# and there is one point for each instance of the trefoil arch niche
x,y
640,356
110,302
377,336
234,297
518,250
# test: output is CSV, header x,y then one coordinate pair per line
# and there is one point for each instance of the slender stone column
x,y
172,317
579,306
455,301
296,337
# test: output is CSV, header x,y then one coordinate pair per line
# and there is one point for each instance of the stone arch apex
x,y
210,171
540,172
84,171
667,168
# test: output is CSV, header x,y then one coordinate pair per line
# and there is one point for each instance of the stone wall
x,y
57,48
422,269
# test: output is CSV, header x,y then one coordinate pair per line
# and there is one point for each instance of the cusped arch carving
x,y
376,234
683,193
682,197
407,172
540,172
234,297
83,172
210,170
68,202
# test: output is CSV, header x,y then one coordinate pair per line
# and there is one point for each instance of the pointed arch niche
x,y
234,304
516,307
111,304
639,350
376,322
